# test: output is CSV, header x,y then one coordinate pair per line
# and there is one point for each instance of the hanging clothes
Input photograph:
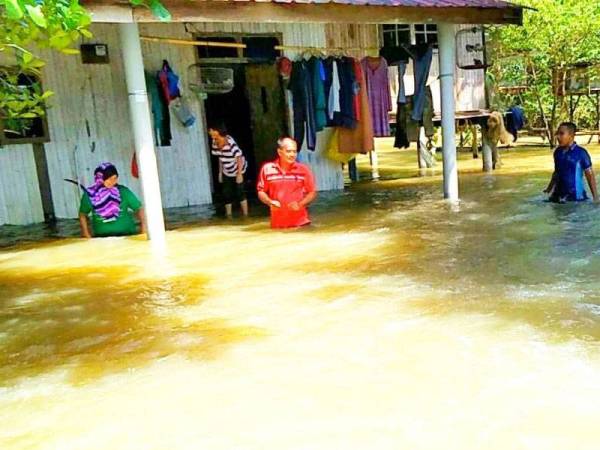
x,y
422,65
161,118
333,92
378,88
169,82
401,88
402,115
428,113
303,105
332,151
346,117
395,55
317,73
407,129
360,139
515,121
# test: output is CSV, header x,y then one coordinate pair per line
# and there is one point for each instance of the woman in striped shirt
x,y
232,167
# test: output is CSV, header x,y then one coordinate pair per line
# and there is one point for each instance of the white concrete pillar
x,y
486,152
374,164
141,126
447,55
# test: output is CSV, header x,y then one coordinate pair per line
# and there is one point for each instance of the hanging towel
x,y
334,92
422,67
401,89
317,73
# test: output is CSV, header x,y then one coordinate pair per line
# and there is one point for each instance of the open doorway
x,y
254,112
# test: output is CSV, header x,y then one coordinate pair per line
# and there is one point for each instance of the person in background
x,y
110,205
571,163
232,167
287,187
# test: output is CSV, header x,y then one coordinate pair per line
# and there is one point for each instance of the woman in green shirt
x,y
110,205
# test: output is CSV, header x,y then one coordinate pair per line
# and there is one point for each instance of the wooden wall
x,y
20,200
89,123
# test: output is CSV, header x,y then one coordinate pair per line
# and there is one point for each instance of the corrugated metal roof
x,y
495,4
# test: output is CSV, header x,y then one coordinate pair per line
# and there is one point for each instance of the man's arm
x,y
263,197
310,197
551,185
591,179
83,224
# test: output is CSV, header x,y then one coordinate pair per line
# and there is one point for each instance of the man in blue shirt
x,y
571,163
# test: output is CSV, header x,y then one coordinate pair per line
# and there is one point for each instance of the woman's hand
x,y
275,204
239,178
220,177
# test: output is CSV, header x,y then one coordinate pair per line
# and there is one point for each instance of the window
x,y
426,34
218,52
395,35
25,131
261,48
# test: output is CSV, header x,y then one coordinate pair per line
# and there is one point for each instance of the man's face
x,y
288,152
565,136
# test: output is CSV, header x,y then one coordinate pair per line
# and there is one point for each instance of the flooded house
x,y
101,110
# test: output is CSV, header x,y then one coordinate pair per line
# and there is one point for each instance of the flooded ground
x,y
395,322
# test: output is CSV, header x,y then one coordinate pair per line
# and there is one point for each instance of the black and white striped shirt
x,y
228,156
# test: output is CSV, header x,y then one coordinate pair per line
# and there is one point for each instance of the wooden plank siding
x,y
20,200
89,123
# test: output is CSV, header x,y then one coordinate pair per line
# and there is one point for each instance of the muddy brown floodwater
x,y
395,322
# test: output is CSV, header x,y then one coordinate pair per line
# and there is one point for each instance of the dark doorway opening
x,y
254,112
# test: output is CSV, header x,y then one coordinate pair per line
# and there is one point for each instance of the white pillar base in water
x,y
374,165
447,55
486,153
141,125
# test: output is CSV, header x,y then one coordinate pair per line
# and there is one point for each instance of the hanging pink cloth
x,y
378,90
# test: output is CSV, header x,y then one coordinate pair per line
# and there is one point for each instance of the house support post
x,y
447,54
142,130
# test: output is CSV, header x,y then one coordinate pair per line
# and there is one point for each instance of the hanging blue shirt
x,y
569,166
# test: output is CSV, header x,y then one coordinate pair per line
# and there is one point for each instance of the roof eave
x,y
251,11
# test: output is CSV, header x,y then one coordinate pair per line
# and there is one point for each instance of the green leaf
x,y
60,40
47,95
13,9
36,15
86,33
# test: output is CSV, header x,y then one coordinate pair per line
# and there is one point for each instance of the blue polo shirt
x,y
569,166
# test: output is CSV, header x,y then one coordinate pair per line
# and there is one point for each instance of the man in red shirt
x,y
287,187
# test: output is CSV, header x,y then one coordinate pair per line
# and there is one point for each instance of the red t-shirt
x,y
286,187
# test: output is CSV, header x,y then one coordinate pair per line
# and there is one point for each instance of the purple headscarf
x,y
105,201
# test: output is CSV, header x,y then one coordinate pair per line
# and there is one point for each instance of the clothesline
x,y
237,45
191,42
326,49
